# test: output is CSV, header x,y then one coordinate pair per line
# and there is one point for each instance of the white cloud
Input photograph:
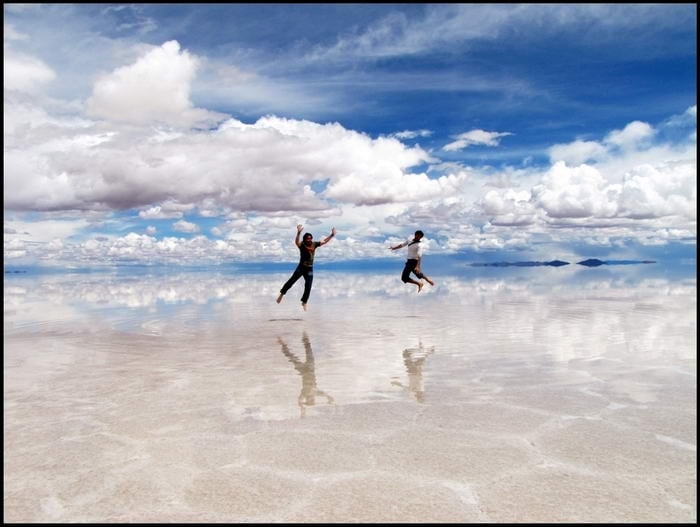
x,y
445,27
263,175
663,190
25,73
412,134
155,89
475,137
44,231
687,118
158,213
634,135
392,186
577,152
185,226
140,152
575,192
268,165
510,207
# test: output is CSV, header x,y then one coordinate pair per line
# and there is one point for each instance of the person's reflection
x,y
413,359
307,370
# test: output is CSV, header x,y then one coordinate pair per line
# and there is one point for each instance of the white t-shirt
x,y
415,250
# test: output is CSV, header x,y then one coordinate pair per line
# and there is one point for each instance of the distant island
x,y
594,262
590,262
553,263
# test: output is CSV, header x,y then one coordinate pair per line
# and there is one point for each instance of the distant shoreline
x,y
591,262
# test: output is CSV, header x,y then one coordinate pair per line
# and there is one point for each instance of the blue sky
x,y
203,134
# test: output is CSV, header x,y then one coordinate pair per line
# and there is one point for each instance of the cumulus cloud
x,y
646,192
668,189
509,208
267,174
475,137
272,164
634,135
382,182
155,89
159,213
185,226
575,192
577,152
140,149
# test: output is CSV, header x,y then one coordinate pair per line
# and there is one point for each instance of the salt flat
x,y
194,397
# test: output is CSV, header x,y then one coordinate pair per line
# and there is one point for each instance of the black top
x,y
306,254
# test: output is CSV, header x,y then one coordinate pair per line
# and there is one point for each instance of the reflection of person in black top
x,y
307,370
413,359
306,264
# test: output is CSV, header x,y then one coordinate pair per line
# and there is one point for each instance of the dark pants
x,y
308,274
409,268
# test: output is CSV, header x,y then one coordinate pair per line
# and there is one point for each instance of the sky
x,y
205,133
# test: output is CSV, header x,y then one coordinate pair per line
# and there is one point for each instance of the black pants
x,y
409,268
308,274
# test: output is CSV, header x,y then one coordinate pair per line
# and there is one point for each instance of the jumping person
x,y
307,248
415,253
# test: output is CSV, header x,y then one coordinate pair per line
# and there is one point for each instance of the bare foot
x,y
279,298
420,286
429,280
304,306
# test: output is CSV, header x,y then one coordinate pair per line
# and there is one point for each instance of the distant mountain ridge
x,y
594,262
553,263
590,262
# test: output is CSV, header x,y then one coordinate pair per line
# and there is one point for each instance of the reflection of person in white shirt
x,y
413,359
415,253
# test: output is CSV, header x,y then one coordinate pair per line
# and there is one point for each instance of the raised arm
x,y
297,241
329,237
395,247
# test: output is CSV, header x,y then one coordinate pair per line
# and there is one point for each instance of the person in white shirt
x,y
415,253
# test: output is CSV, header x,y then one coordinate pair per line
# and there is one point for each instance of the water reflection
x,y
157,292
413,359
560,328
307,371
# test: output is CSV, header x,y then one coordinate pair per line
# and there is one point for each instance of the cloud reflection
x,y
612,339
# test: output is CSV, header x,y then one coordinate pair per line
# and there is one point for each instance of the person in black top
x,y
307,249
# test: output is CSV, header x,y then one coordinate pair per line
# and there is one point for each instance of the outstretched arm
x,y
297,241
329,237
395,247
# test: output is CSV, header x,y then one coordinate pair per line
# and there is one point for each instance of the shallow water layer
x,y
194,397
